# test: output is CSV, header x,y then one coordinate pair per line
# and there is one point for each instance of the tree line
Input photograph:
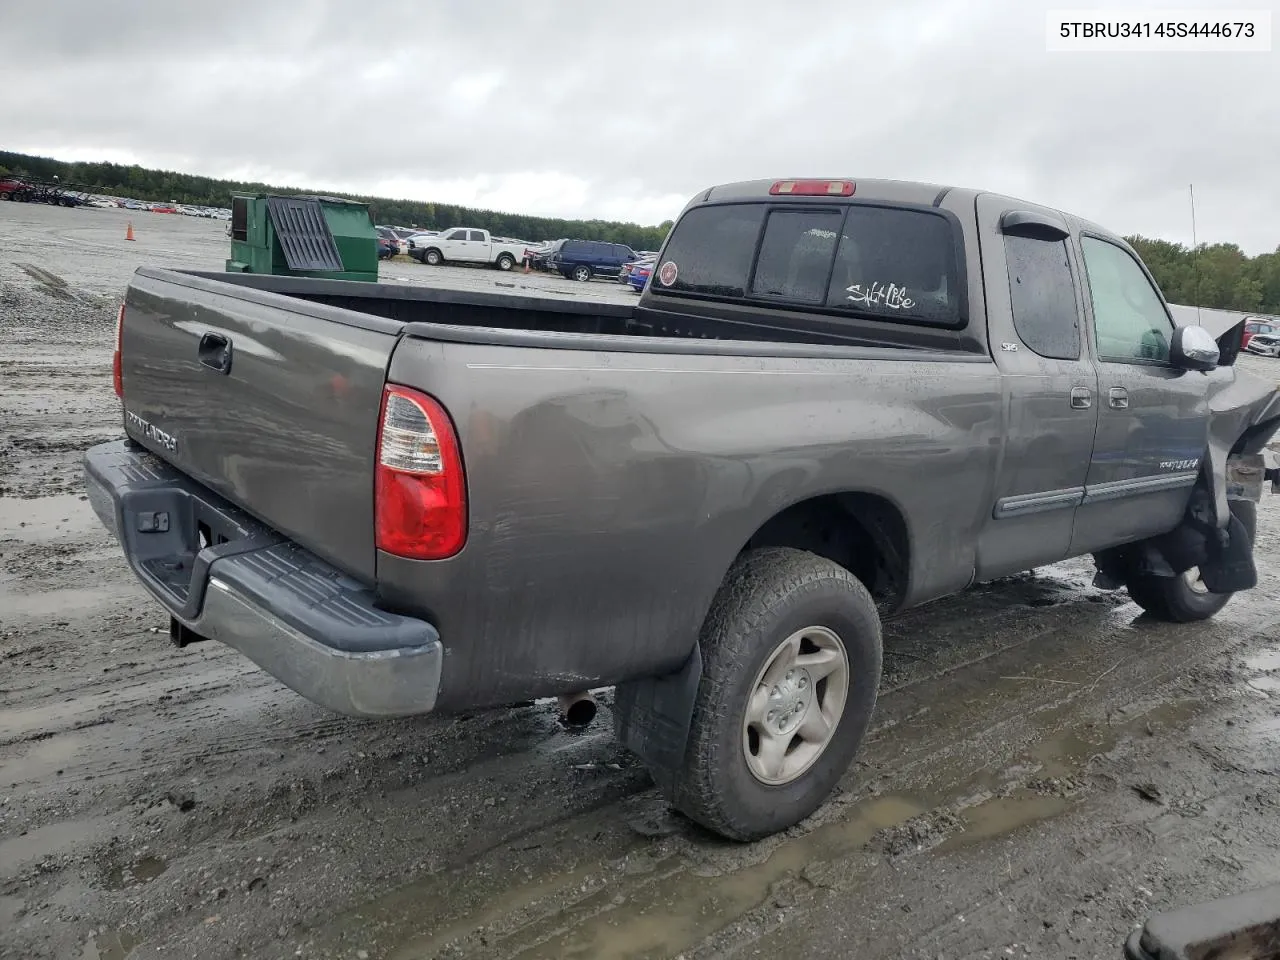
x,y
1216,275
140,183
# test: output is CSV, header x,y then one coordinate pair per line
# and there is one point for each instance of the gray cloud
x,y
573,108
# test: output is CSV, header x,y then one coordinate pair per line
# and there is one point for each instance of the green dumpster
x,y
303,236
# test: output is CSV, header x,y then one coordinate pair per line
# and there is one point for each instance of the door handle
x,y
215,352
1081,398
1118,397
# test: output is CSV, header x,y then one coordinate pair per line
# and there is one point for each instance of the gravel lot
x,y
1045,767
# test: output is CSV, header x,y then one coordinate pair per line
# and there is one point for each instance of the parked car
x,y
397,235
584,259
625,273
1254,327
468,245
1264,344
639,275
707,499
536,254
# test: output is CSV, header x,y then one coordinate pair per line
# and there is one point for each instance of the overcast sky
x,y
623,111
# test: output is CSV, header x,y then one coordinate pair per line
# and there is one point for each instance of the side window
x,y
795,257
477,235
1043,296
457,235
1129,319
710,251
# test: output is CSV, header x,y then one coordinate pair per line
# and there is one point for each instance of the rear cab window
x,y
866,260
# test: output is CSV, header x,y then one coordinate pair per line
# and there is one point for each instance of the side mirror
x,y
1193,348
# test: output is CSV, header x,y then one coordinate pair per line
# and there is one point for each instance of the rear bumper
x,y
226,577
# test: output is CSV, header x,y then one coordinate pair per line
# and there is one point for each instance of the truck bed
x,y
438,307
609,451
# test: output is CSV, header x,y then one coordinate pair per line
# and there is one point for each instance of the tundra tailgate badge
x,y
152,432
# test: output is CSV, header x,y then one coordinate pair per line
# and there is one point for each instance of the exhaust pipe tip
x,y
577,709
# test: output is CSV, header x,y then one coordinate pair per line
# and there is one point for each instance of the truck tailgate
x,y
271,401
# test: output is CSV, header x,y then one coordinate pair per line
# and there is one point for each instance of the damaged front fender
x,y
1244,414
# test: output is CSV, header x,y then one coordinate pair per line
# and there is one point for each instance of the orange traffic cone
x,y
129,233
526,264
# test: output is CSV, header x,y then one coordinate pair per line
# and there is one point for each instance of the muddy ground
x,y
1045,768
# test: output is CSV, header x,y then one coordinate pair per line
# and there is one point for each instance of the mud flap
x,y
1230,567
1224,556
654,716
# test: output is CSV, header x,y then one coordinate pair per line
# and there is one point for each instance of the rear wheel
x,y
1185,599
582,273
506,261
791,663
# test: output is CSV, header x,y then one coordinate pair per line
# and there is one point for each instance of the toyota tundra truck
x,y
834,400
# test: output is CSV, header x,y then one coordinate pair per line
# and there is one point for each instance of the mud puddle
x,y
1265,662
132,874
46,758
41,842
54,603
110,945
43,519
656,900
666,894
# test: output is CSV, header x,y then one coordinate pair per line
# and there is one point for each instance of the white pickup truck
x,y
467,245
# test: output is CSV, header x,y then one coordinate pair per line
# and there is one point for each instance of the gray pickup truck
x,y
833,401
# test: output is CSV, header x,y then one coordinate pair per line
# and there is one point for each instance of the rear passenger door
x,y
473,249
618,255
601,256
1035,310
1153,418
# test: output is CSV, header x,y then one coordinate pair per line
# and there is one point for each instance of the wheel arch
x,y
863,531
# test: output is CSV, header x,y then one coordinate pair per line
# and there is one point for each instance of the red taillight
x,y
420,496
812,188
117,364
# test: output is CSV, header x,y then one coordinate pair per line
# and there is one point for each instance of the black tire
x,y
432,257
1174,599
506,261
582,273
766,597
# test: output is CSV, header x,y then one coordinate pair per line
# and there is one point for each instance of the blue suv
x,y
584,259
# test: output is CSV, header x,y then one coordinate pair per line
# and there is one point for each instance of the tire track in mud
x,y
260,724
975,781
235,819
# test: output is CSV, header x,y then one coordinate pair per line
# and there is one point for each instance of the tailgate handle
x,y
215,352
